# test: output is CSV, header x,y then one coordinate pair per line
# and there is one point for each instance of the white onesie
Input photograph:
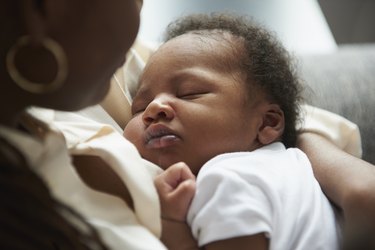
x,y
271,190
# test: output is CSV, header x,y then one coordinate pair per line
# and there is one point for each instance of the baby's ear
x,y
273,124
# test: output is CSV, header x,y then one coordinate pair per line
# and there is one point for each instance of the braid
x,y
30,218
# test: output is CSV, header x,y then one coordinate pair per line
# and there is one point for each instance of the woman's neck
x,y
12,101
9,116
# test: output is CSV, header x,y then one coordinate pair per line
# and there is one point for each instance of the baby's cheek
x,y
133,130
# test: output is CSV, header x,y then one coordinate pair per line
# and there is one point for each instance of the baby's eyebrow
x,y
196,74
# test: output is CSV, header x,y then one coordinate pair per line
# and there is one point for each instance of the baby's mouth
x,y
160,137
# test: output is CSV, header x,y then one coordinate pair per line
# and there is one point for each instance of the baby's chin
x,y
165,162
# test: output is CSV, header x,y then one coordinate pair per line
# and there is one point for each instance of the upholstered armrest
x,y
344,82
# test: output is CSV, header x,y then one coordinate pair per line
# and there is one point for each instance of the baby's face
x,y
189,108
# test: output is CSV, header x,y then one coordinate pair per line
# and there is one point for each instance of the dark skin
x,y
80,28
349,183
185,241
59,19
351,198
176,188
257,241
93,52
331,185
168,107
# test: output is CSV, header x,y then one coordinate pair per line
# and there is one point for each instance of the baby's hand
x,y
176,188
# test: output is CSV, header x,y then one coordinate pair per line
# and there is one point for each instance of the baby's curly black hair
x,y
265,61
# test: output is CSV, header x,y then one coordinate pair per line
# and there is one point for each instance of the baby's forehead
x,y
218,50
212,39
225,49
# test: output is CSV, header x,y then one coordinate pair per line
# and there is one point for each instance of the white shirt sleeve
x,y
227,206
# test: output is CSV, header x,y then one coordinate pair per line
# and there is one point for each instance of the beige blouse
x,y
119,225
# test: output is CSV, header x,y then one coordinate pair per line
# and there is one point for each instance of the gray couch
x,y
344,82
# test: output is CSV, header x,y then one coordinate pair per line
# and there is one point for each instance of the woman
x,y
58,55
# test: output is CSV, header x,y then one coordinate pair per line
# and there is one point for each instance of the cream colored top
x,y
339,130
120,227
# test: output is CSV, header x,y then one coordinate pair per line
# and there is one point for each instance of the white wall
x,y
299,24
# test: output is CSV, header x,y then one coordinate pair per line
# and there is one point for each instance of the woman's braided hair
x,y
265,61
30,218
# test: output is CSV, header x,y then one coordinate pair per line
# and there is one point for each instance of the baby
x,y
220,100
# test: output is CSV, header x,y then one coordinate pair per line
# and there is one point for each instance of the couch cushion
x,y
344,82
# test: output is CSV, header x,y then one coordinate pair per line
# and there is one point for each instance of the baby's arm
x,y
176,188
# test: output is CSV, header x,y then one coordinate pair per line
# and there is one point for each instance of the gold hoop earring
x,y
35,87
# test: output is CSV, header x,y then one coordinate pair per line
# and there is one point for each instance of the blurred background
x,y
304,26
351,21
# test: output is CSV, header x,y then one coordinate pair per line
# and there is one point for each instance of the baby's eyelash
x,y
191,95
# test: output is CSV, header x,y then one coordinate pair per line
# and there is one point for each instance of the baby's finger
x,y
185,191
175,174
175,204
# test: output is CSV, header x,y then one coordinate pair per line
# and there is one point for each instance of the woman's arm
x,y
349,182
253,242
177,235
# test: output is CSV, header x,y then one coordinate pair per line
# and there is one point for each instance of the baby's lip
x,y
159,136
